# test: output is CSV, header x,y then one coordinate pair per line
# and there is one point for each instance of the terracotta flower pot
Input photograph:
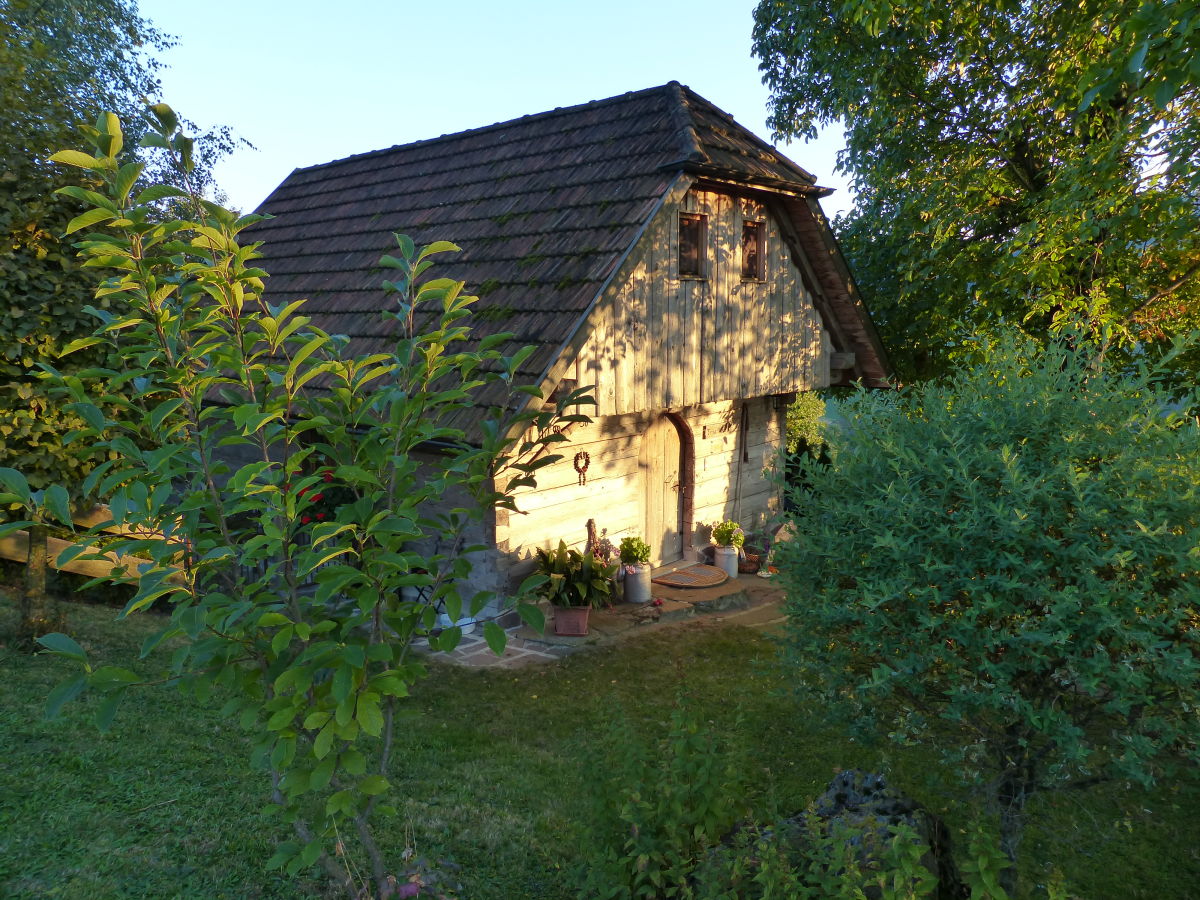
x,y
571,621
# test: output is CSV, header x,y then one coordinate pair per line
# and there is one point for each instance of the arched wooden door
x,y
665,471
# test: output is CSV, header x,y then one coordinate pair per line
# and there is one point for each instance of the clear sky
x,y
307,82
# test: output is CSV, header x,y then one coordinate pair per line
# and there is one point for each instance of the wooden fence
x,y
16,547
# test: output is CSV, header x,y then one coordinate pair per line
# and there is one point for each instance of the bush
x,y
1005,564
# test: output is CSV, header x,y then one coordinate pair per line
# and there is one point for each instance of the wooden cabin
x,y
646,244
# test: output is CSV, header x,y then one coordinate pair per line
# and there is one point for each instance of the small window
x,y
754,236
692,238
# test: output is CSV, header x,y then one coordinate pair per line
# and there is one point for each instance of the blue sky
x,y
307,82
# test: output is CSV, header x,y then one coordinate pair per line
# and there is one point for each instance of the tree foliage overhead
x,y
1037,163
1005,566
61,62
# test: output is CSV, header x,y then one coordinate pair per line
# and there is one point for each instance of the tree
x,y
1004,566
60,61
993,184
293,604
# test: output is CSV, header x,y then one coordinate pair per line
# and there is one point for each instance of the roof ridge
x,y
681,117
495,126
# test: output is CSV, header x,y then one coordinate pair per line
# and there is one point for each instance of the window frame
x,y
760,265
702,267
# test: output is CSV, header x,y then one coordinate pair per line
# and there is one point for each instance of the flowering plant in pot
x,y
729,537
575,582
635,557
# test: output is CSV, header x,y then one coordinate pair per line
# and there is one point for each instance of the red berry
x,y
303,491
305,520
316,497
320,515
328,476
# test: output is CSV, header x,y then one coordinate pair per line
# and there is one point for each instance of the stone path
x,y
746,600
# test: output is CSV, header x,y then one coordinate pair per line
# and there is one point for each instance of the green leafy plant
x,y
634,551
571,578
658,809
670,819
804,430
304,627
1005,565
728,534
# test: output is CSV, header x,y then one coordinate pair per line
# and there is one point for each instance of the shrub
x,y
1005,564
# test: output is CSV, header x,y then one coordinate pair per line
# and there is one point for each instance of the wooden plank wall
x,y
725,485
662,341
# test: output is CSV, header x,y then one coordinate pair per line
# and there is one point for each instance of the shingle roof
x,y
544,207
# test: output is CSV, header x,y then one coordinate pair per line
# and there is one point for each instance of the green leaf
x,y
496,639
324,741
107,710
80,344
281,718
168,121
91,217
531,614
8,528
14,483
64,693
322,772
284,853
108,676
373,785
369,718
62,645
315,720
342,683
282,638
59,504
158,192
77,159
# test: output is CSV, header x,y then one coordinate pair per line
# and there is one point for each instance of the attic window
x,y
754,236
692,236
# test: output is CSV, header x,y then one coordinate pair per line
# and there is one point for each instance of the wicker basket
x,y
749,563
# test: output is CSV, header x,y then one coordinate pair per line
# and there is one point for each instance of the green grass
x,y
490,771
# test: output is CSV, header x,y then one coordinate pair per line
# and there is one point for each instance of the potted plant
x,y
729,537
575,582
635,558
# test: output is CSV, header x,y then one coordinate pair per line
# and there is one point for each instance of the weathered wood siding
x,y
664,341
730,452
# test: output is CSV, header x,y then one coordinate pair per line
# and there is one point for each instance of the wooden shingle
x,y
544,207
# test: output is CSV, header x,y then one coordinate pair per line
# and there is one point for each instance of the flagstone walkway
x,y
747,600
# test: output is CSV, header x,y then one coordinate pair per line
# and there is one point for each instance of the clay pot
x,y
571,621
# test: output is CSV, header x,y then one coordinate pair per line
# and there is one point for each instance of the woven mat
x,y
693,576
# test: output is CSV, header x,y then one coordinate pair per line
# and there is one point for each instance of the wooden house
x,y
645,244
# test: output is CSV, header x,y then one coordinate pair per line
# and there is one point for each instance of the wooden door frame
x,y
687,474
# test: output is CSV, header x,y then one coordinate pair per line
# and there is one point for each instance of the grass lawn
x,y
490,772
